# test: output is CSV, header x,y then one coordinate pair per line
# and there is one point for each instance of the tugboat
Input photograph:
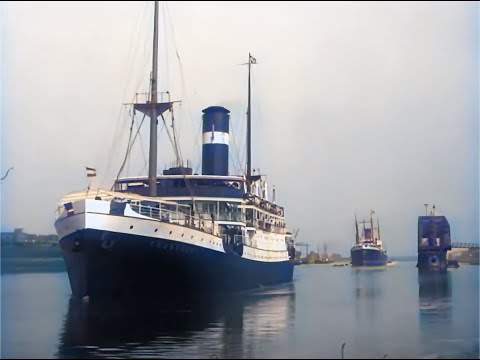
x,y
180,232
368,250
433,242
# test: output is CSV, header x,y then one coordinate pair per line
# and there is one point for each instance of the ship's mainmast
x,y
153,109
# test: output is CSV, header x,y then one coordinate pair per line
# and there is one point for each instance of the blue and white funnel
x,y
215,141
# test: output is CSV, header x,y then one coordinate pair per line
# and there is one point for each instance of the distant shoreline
x,y
31,252
26,259
35,265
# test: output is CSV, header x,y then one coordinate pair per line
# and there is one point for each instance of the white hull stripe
x,y
156,229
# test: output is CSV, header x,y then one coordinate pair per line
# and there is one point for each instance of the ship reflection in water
x,y
435,310
435,294
219,327
368,290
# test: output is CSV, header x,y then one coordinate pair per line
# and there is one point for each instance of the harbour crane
x,y
298,244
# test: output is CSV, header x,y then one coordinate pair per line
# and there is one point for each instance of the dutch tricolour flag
x,y
91,172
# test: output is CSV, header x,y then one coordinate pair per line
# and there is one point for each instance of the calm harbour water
x,y
375,313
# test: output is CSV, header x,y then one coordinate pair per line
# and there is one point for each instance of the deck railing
x,y
177,216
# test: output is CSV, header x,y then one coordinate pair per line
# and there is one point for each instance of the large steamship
x,y
179,232
368,249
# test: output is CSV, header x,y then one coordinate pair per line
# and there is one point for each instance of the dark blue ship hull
x,y
106,264
368,257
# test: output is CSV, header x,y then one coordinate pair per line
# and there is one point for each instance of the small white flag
x,y
91,172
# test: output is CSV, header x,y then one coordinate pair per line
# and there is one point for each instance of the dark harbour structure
x,y
433,242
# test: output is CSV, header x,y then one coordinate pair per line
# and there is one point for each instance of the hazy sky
x,y
356,106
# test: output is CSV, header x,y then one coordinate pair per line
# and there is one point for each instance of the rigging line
x,y
172,139
147,50
177,137
237,146
146,60
129,62
167,65
243,152
256,107
129,147
143,150
197,168
134,45
128,167
239,168
244,142
187,182
241,120
133,142
168,133
144,169
145,164
182,77
114,142
126,153
138,134
3,178
146,69
175,141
